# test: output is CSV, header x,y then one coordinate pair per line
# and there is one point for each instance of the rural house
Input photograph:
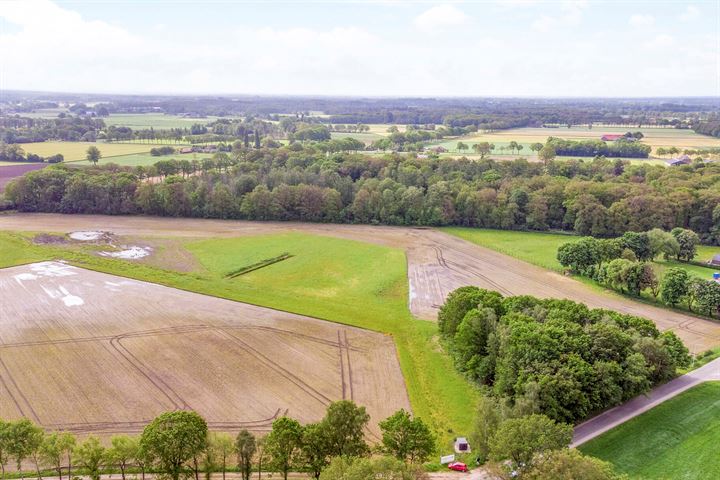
x,y
611,138
681,160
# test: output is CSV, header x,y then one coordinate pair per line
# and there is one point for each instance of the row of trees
x,y
592,148
555,357
598,198
179,444
625,264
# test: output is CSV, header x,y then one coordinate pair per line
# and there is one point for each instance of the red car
x,y
458,467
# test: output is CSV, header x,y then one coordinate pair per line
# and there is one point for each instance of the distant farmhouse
x,y
611,138
438,149
681,160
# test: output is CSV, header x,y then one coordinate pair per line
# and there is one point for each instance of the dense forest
x,y
601,198
556,357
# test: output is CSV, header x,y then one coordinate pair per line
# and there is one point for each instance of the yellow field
x,y
77,150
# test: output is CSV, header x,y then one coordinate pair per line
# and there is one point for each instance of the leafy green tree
x,y
708,297
245,447
487,420
222,446
462,146
174,438
55,447
5,446
344,425
639,244
315,448
407,438
580,255
122,452
342,468
662,242
93,154
688,241
674,286
519,440
283,443
472,344
261,454
677,350
25,439
570,464
547,154
91,456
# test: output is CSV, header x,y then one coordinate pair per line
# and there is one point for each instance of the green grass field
x,y
145,159
73,151
338,280
541,248
676,440
365,137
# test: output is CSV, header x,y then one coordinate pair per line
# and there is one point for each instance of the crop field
x,y
677,439
73,151
104,354
10,170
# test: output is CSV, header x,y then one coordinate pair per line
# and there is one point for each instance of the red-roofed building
x,y
611,138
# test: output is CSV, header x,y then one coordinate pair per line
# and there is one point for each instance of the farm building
x,y
681,160
438,149
611,138
715,260
462,445
186,150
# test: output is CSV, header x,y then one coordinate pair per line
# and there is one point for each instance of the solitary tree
x,y
93,154
174,438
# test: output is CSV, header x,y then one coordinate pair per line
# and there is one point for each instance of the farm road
x,y
622,413
437,263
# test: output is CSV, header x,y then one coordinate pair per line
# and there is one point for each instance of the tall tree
x,y
93,154
283,443
122,452
174,438
344,425
407,438
245,448
91,455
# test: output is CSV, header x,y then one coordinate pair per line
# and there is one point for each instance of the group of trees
x,y
555,357
178,444
592,148
600,198
18,129
625,264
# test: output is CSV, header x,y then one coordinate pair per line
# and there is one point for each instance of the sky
x,y
524,48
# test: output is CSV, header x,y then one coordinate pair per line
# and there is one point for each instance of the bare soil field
x,y
437,263
8,172
94,353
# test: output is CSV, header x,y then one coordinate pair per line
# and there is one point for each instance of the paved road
x,y
622,413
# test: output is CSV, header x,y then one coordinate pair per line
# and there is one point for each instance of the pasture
x,y
365,137
677,439
123,351
145,159
74,151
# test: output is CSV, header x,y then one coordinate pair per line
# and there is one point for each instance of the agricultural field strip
x,y
123,353
437,264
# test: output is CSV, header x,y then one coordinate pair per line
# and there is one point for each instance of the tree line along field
x,y
541,249
655,137
676,439
353,283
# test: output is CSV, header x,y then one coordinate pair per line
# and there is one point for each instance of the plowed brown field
x,y
94,353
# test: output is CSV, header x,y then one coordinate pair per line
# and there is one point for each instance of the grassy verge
x,y
676,439
338,280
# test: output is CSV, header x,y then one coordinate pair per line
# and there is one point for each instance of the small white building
x,y
462,445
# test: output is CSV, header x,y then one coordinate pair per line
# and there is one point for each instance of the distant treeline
x,y
711,127
593,148
601,198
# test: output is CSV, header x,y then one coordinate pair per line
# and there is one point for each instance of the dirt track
x,y
437,263
89,352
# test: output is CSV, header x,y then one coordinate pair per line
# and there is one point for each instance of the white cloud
x,y
642,20
440,17
569,15
660,41
691,13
